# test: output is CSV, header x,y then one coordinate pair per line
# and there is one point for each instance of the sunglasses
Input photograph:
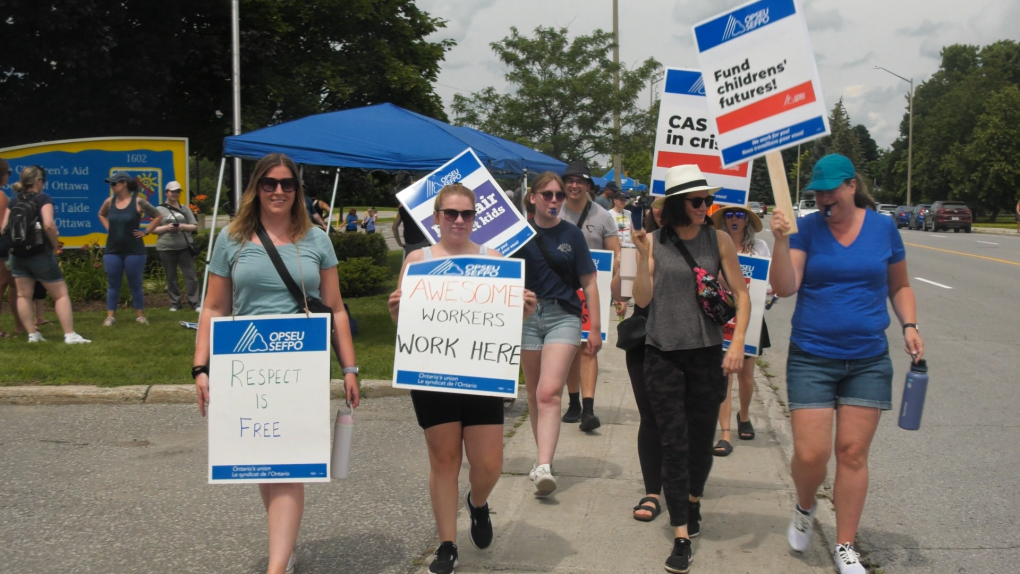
x,y
452,214
697,201
549,195
732,214
269,184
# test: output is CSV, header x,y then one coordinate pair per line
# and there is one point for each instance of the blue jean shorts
x,y
550,323
41,267
814,382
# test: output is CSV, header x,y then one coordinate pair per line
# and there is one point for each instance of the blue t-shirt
x,y
841,306
568,249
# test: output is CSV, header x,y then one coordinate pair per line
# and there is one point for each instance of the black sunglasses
x,y
549,195
451,214
697,201
269,184
732,214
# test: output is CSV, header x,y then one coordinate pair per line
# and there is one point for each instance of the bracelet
x,y
350,370
906,325
199,370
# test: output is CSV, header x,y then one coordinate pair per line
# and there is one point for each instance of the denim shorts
x,y
814,382
550,323
41,267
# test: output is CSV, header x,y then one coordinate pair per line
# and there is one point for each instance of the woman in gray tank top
x,y
685,369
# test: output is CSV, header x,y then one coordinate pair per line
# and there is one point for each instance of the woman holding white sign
x,y
240,284
454,423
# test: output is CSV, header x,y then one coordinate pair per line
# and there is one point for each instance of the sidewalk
x,y
587,526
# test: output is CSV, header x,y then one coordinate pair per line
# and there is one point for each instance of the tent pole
x,y
524,194
336,182
212,234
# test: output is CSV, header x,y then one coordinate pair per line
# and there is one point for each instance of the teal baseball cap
x,y
831,171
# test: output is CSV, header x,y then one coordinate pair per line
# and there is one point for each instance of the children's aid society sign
x,y
459,329
756,275
269,418
603,261
498,225
761,82
686,135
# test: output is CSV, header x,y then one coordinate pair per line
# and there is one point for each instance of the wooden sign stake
x,y
781,187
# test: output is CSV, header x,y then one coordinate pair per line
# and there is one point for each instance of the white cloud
x,y
821,19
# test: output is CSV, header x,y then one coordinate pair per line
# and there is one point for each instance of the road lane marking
x,y
933,283
987,242
962,253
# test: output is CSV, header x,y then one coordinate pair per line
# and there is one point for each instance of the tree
x,y
985,171
842,140
87,68
562,99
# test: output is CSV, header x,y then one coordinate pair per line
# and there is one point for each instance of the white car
x,y
886,209
805,207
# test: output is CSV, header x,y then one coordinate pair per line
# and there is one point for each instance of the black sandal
x,y
745,430
641,506
722,448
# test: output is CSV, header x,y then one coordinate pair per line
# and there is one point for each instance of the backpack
x,y
24,227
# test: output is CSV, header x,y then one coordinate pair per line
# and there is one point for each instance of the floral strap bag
x,y
715,301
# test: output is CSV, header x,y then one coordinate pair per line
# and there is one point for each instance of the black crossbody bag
x,y
187,234
309,304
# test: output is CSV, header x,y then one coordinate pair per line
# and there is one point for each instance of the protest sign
x,y
603,261
269,418
761,81
498,224
756,276
686,134
75,170
459,329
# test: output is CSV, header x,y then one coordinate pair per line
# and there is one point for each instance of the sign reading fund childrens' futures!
x,y
497,225
269,418
761,81
459,329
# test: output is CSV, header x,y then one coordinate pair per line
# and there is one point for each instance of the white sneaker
x,y
847,559
109,321
799,533
142,320
545,482
75,339
292,563
531,474
35,337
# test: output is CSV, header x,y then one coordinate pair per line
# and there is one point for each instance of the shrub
x,y
359,276
356,245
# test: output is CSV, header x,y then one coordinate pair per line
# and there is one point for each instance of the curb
x,y
142,394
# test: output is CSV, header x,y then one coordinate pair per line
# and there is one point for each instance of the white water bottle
x,y
340,463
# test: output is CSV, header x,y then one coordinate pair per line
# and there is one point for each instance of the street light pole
x,y
910,131
235,33
617,160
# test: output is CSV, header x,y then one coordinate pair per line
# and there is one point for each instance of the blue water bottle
x,y
913,396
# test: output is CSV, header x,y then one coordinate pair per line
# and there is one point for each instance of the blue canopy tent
x,y
626,183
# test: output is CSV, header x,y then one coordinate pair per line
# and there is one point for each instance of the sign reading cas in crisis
x,y
269,418
756,275
603,261
76,170
686,134
497,225
761,81
459,329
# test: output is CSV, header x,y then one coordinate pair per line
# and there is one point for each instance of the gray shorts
x,y
41,267
550,323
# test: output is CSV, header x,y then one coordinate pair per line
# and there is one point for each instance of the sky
x,y
849,39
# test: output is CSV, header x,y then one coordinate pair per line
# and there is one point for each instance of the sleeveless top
x,y
426,252
675,319
120,240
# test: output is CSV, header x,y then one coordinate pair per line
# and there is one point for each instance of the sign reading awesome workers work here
x,y
761,81
686,135
269,418
459,329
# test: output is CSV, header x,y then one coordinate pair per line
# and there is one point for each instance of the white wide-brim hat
x,y
686,179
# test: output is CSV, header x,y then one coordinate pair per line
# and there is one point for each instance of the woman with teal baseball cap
x,y
843,264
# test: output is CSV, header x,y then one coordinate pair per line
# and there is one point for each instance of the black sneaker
x,y
446,559
589,421
573,414
679,562
693,518
481,527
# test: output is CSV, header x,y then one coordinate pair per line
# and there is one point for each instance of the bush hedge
x,y
359,277
357,245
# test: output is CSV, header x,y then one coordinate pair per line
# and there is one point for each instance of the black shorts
x,y
434,408
765,342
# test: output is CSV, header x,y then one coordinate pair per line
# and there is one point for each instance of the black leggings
x,y
649,446
685,389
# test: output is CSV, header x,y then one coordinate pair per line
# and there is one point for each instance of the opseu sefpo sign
x,y
686,134
761,81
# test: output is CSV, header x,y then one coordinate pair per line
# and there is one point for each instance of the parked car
x,y
902,216
760,209
953,215
887,209
917,216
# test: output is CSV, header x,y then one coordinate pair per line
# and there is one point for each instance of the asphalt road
x,y
945,498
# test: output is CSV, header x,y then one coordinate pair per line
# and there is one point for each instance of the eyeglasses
x,y
116,183
575,180
736,214
269,184
452,214
549,195
697,201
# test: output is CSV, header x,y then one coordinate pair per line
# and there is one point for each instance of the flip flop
x,y
745,430
641,506
722,448
43,322
6,335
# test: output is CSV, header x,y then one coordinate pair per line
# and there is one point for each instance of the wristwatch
x,y
196,371
914,325
349,370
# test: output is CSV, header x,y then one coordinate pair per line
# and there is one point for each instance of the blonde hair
x,y
453,189
248,215
29,175
747,244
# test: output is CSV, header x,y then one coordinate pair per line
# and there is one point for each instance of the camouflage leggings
x,y
685,389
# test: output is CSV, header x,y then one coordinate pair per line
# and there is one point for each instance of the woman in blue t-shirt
x,y
352,221
843,264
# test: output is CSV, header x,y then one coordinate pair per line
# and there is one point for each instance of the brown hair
x,y
247,219
861,196
453,189
29,175
352,211
541,181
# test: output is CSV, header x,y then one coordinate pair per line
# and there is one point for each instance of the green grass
x,y
999,225
162,352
